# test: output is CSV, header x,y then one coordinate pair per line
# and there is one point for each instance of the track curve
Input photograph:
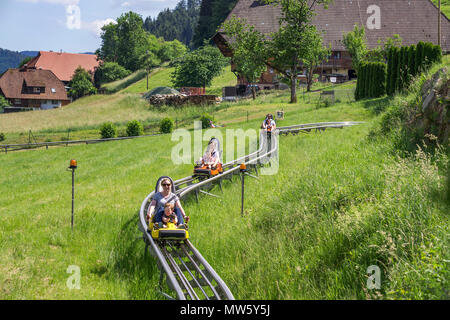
x,y
187,273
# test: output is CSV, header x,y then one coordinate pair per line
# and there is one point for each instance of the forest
x,y
191,21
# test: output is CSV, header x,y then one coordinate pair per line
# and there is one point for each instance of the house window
x,y
17,101
36,90
53,90
55,102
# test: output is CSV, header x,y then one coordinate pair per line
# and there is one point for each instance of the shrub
x,y
411,61
371,80
3,103
81,84
323,103
108,130
134,128
109,72
419,56
166,125
205,120
2,136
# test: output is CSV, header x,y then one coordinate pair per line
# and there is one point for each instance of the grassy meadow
x,y
84,117
342,200
445,7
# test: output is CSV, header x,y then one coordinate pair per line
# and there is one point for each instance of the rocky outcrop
x,y
434,115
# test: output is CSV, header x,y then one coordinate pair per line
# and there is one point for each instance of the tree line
x,y
295,48
191,22
177,24
390,67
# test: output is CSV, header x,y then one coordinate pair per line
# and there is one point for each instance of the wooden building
x,y
412,20
63,64
30,88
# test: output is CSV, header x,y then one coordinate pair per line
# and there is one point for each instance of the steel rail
x,y
57,143
196,281
184,282
197,268
165,257
166,261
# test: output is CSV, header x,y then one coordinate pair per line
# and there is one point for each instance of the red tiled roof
x,y
63,65
413,20
11,84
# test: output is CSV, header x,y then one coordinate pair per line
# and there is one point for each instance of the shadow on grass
x,y
129,263
377,105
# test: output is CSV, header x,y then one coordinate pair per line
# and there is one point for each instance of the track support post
x,y
243,170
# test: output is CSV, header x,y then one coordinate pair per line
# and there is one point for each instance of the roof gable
x,y
64,64
13,80
413,20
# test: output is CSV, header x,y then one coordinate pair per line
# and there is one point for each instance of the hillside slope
x,y
341,202
11,59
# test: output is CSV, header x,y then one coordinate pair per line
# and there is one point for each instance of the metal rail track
x,y
187,273
28,146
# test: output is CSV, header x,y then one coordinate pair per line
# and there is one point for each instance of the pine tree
x,y
437,54
389,68
212,14
419,57
372,80
367,76
177,24
398,75
361,82
403,67
428,55
382,71
411,61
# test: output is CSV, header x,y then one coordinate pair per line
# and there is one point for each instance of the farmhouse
x,y
412,20
32,88
63,65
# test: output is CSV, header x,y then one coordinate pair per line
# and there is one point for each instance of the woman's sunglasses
x,y
166,184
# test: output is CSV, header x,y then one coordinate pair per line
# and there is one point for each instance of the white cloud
x,y
73,12
96,26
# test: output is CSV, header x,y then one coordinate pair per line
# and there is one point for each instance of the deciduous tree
x,y
287,48
249,50
199,67
355,43
81,84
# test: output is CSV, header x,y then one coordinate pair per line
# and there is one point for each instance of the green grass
x,y
226,79
158,78
445,7
84,116
340,202
118,85
161,77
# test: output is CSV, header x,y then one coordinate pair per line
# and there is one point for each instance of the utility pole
x,y
147,67
439,24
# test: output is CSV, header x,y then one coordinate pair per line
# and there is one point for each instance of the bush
x,y
2,136
406,62
134,128
81,84
371,80
205,120
411,62
108,130
3,103
109,72
166,125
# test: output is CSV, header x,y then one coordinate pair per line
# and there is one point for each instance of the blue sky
x,y
68,25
